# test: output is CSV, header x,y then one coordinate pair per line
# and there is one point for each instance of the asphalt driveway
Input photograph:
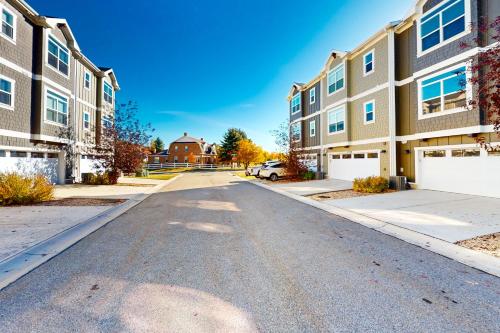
x,y
215,254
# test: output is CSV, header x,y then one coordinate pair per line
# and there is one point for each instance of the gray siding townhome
x,y
47,88
396,105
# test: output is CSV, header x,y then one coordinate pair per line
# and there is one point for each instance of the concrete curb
x,y
14,267
474,259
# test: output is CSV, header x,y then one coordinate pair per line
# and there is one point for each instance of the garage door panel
x,y
349,169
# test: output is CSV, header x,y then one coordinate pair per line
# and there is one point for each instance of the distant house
x,y
186,149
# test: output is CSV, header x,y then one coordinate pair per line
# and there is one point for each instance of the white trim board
x,y
448,132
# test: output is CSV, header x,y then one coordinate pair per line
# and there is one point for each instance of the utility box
x,y
398,183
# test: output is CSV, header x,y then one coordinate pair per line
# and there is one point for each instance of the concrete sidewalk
x,y
311,187
448,216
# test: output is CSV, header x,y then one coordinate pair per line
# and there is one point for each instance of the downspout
x,y
76,166
392,102
321,149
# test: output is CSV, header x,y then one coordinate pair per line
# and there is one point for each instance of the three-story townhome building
x,y
48,89
398,104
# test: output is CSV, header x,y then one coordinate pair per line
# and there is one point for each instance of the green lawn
x,y
242,175
159,177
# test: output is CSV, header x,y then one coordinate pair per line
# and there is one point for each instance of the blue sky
x,y
204,66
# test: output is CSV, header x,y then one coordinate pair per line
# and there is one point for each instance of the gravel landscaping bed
x,y
342,195
82,202
489,244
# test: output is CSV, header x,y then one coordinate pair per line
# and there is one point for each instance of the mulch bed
x,y
72,202
342,195
489,244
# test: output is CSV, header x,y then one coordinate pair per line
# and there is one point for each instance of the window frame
x,y
60,46
328,83
299,124
12,93
83,121
107,119
13,40
312,95
86,72
365,73
337,110
62,97
365,104
438,11
312,128
468,91
106,84
299,97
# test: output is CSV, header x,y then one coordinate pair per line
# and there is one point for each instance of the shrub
x,y
106,178
309,175
17,189
370,184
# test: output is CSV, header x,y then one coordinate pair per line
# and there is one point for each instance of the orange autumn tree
x,y
249,152
191,158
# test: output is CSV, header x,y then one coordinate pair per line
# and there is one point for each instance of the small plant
x,y
98,179
370,184
17,189
308,175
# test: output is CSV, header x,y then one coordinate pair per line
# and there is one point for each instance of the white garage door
x,y
468,170
30,163
353,165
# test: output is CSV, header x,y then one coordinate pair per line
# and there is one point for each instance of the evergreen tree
x,y
157,145
230,143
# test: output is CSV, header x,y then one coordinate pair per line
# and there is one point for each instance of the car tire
x,y
273,177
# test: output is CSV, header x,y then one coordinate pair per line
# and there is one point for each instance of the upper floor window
x,y
443,93
56,108
336,79
312,128
295,131
6,93
86,120
186,149
87,80
176,148
8,24
107,121
58,56
441,24
369,112
368,63
296,103
312,95
336,120
108,93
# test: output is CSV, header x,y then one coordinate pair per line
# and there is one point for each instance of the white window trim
x,y
83,121
312,96
13,40
85,79
104,92
47,36
312,126
54,91
13,93
300,103
365,73
364,112
300,131
468,29
336,109
468,92
328,83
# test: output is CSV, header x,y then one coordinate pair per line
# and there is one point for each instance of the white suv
x,y
273,171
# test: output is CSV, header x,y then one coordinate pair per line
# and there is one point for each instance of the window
x,y
107,121
296,103
336,121
108,93
56,108
6,93
312,128
442,24
372,155
2,153
176,159
185,159
37,155
369,110
86,120
176,148
435,153
495,153
52,155
359,156
312,95
368,63
335,157
186,149
58,56
444,93
336,79
296,132
8,24
346,156
465,153
156,159
20,154
87,80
